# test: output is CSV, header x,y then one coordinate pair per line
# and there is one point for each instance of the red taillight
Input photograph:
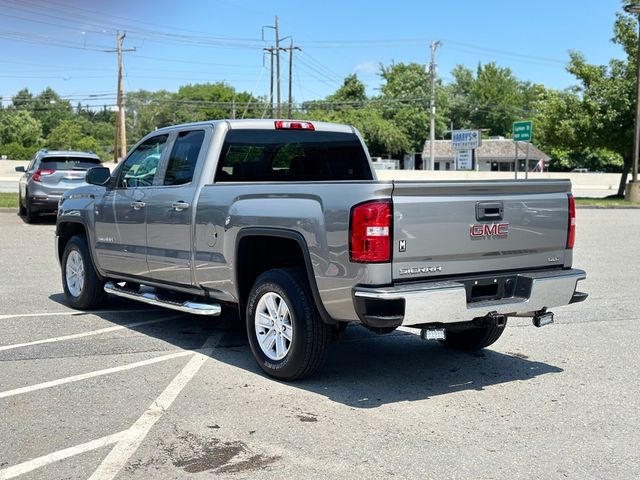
x,y
571,232
37,175
286,125
371,232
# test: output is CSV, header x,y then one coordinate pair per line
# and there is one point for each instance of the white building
x,y
495,155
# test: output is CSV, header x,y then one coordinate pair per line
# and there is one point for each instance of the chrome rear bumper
x,y
446,302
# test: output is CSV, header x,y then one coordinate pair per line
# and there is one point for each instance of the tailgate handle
x,y
489,210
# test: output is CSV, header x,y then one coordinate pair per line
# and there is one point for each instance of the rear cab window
x,y
258,155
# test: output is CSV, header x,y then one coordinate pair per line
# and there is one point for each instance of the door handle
x,y
179,206
137,205
489,211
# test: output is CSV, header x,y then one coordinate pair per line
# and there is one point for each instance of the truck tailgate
x,y
457,228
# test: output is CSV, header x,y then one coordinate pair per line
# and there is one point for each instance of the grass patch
x,y
607,202
9,200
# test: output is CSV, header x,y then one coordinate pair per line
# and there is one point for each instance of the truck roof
x,y
265,124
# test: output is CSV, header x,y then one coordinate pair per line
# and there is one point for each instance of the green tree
x,y
598,115
19,127
68,135
50,109
404,101
351,92
380,135
494,98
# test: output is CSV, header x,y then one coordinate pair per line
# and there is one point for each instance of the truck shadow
x,y
363,370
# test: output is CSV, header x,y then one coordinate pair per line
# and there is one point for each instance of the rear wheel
x,y
473,338
83,288
30,215
288,338
21,210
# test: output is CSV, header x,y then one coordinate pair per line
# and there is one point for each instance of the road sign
x,y
464,160
522,131
465,139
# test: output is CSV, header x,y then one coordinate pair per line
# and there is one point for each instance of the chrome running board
x,y
196,308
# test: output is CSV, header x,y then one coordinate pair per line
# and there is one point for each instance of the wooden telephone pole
x,y
290,49
271,50
120,135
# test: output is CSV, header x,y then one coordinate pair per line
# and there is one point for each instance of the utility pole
x,y
278,65
432,130
276,49
291,48
120,136
270,50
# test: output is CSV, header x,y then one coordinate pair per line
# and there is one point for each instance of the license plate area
x,y
497,287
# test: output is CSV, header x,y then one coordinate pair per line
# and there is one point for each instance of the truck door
x,y
120,215
171,209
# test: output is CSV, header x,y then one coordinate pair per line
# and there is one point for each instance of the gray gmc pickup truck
x,y
286,221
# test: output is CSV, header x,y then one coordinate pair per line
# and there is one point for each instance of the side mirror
x,y
98,176
20,169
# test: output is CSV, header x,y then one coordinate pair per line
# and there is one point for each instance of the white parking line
x,y
133,437
97,373
86,334
73,313
28,466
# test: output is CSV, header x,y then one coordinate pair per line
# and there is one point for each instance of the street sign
x,y
465,139
464,160
522,131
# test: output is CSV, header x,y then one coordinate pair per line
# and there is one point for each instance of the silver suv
x,y
49,174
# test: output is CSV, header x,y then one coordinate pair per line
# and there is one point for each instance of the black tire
x,y
21,210
91,294
311,336
473,338
29,215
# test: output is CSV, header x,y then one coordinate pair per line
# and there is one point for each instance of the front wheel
x,y
83,288
473,338
288,338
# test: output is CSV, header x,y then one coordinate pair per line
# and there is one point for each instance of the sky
x,y
68,44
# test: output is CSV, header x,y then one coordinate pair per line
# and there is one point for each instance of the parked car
x,y
49,174
286,222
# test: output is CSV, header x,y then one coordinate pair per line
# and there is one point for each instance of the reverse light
x,y
38,174
288,125
370,227
571,230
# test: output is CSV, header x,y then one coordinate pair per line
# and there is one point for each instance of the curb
x,y
597,207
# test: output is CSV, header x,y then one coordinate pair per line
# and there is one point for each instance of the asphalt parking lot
x,y
136,392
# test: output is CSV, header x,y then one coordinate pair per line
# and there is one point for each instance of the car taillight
x,y
37,175
370,227
287,125
571,232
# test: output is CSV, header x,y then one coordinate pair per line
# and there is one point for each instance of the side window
x,y
140,167
183,158
32,163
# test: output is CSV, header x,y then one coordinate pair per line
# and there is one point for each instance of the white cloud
x,y
367,67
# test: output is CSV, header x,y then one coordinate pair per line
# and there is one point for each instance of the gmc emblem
x,y
500,230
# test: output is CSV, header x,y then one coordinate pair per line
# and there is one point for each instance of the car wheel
x,y
21,210
29,214
287,337
473,338
83,288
